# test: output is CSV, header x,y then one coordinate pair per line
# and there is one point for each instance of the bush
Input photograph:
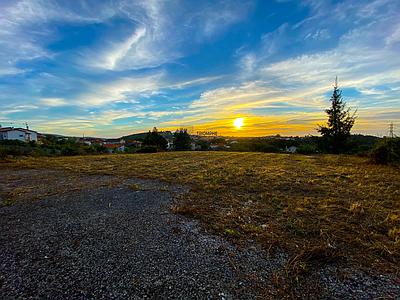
x,y
386,151
16,150
147,149
182,140
13,143
307,149
3,153
155,139
268,148
69,150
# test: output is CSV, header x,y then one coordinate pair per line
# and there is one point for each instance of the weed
x,y
6,199
276,202
135,187
295,225
394,234
230,232
356,208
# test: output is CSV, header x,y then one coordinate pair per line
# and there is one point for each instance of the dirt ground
x,y
75,236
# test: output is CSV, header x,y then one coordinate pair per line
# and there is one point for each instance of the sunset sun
x,y
238,123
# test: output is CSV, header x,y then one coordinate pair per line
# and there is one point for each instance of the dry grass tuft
x,y
394,234
135,187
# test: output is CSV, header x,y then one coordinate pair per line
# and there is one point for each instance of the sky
x,y
110,68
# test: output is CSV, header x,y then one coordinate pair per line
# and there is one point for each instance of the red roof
x,y
112,146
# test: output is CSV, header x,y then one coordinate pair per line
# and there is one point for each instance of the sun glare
x,y
238,123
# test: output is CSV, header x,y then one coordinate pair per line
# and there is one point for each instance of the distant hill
x,y
362,143
366,139
136,136
140,136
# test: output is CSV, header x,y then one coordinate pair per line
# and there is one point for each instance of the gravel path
x,y
119,241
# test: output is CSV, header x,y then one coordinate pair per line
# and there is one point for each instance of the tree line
x,y
154,141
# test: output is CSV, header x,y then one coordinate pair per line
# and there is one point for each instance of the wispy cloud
x,y
160,32
114,58
122,89
24,29
214,19
53,102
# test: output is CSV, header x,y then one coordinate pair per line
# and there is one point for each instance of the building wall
x,y
15,135
33,136
19,135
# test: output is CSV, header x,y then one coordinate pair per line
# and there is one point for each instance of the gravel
x,y
116,242
110,243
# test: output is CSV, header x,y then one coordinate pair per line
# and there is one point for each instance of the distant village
x,y
199,141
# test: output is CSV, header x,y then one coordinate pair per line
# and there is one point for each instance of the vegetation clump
x,y
49,146
182,140
154,140
386,151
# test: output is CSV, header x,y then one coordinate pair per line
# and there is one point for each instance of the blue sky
x,y
108,68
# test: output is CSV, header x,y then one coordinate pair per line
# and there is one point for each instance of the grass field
x,y
317,208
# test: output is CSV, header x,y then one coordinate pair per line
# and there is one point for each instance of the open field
x,y
320,209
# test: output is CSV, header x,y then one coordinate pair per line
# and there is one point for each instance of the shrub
x,y
307,149
182,140
147,149
155,139
69,150
268,148
3,153
386,151
16,150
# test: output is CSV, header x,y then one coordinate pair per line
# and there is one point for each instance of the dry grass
x,y
317,208
29,185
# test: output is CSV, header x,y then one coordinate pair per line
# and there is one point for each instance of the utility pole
x,y
391,130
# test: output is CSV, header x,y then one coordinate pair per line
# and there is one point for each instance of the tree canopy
x,y
182,140
153,138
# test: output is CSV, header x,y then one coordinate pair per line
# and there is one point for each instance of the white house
x,y
291,149
20,134
194,146
170,145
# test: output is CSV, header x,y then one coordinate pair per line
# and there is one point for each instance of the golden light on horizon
x,y
254,125
238,123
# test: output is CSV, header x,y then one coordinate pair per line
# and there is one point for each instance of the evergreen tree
x,y
182,140
340,122
153,138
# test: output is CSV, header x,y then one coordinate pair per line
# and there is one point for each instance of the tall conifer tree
x,y
340,123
